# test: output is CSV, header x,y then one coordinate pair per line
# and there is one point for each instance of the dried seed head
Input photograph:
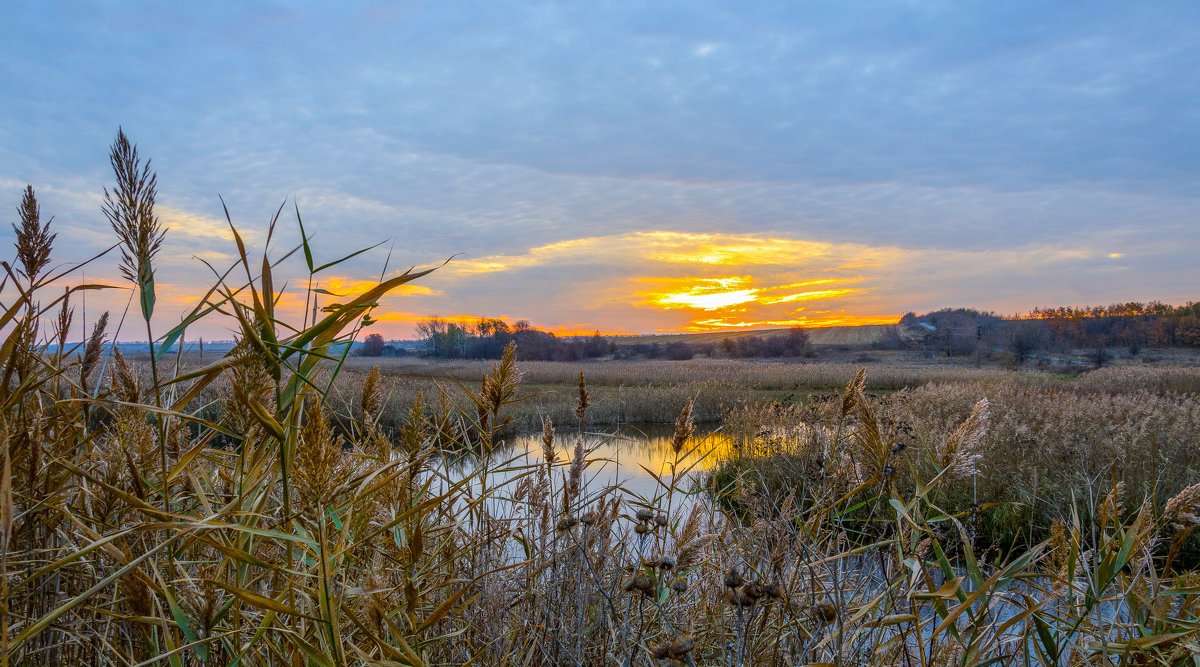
x,y
588,518
739,599
823,612
318,462
692,551
371,400
415,431
567,523
684,428
641,529
660,519
1181,511
1110,508
1058,555
62,326
924,547
661,651
34,239
753,590
92,351
137,595
251,379
868,437
129,208
548,453
582,405
679,585
853,389
733,578
773,591
644,514
960,452
682,646
666,562
125,385
575,479
500,387
641,582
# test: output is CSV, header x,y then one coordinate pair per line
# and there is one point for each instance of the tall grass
x,y
270,537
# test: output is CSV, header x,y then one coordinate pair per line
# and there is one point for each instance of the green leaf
x,y
356,253
146,289
308,258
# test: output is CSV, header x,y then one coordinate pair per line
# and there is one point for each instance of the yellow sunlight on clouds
x,y
668,271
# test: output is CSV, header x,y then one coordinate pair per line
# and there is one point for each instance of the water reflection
x,y
629,457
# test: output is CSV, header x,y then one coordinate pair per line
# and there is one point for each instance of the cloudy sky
x,y
630,166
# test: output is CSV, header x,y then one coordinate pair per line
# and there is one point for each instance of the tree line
x,y
487,338
1094,330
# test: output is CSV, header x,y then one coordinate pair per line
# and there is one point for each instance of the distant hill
x,y
860,335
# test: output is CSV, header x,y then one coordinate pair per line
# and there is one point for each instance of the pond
x,y
631,458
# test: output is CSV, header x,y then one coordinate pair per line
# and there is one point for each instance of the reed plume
x,y
318,460
582,403
92,351
370,400
959,454
684,428
548,454
854,389
129,207
34,240
1181,510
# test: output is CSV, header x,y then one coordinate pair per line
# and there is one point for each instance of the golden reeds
x,y
411,558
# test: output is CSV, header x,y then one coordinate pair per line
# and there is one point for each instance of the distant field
x,y
860,335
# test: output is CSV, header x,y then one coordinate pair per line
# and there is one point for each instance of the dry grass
x,y
1048,448
128,537
653,391
646,391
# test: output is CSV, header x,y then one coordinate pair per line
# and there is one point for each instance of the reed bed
x,y
755,374
141,524
1049,449
648,391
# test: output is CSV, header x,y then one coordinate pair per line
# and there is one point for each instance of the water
x,y
629,457
633,461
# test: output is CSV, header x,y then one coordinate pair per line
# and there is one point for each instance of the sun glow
x,y
681,281
742,301
819,322
709,294
710,301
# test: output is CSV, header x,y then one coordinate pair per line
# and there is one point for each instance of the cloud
x,y
546,146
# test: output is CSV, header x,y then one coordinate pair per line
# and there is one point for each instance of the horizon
x,y
413,337
673,168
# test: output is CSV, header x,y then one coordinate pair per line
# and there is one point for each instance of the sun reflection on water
x,y
626,457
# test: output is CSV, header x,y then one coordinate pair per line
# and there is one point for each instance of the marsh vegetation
x,y
281,506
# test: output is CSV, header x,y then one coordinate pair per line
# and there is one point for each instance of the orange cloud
x,y
737,295
345,286
831,320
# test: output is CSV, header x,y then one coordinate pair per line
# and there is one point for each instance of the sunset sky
x,y
629,166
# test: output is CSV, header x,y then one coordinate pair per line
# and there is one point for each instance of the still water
x,y
627,458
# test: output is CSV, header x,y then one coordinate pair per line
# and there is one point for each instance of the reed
x,y
274,536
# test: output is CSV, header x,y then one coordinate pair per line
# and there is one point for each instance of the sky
x,y
626,166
